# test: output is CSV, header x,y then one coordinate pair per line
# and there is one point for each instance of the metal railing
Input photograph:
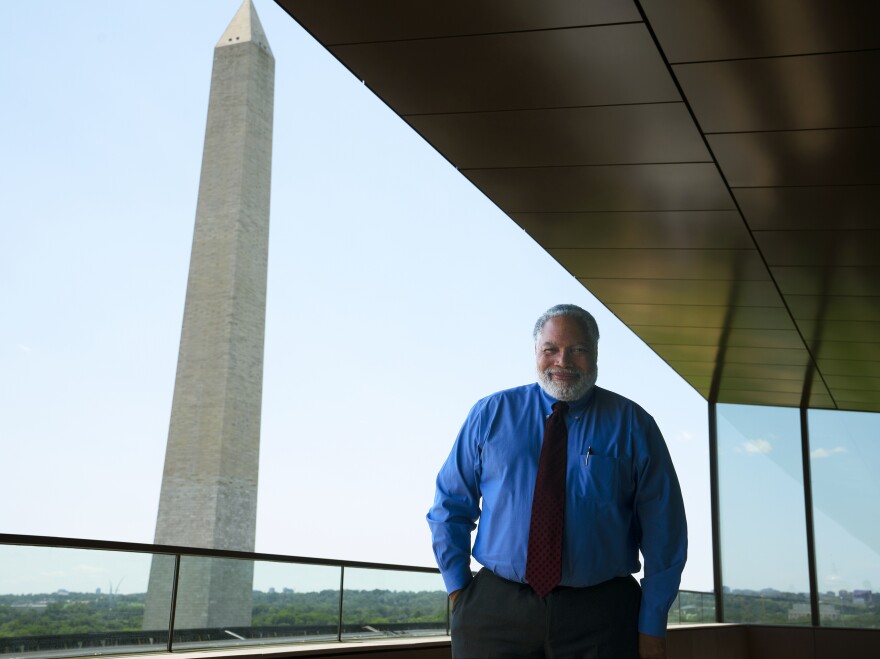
x,y
337,600
359,612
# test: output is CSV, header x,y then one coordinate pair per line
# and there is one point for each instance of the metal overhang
x,y
707,170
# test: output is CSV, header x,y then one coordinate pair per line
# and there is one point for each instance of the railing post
x,y
174,581
341,591
716,511
808,518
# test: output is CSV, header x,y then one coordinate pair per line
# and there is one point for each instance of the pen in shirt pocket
x,y
589,453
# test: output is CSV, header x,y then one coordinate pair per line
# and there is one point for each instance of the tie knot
x,y
560,406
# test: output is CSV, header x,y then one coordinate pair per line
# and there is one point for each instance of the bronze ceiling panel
x,y
681,229
701,383
604,188
697,373
857,407
839,307
850,368
355,21
853,350
837,330
568,117
842,156
652,133
780,399
764,356
683,291
678,315
865,399
699,30
732,266
854,384
768,94
605,65
763,384
704,336
768,356
764,372
843,207
819,248
829,282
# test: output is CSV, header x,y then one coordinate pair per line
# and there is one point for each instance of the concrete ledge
x,y
436,647
705,641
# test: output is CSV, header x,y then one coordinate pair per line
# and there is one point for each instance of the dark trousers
x,y
495,618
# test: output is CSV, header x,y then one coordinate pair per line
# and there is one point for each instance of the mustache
x,y
563,371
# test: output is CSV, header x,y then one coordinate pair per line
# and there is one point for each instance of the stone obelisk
x,y
209,484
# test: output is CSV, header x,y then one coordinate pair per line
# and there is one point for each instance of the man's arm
x,y
663,535
456,508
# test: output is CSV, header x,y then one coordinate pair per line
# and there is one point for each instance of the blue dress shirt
x,y
622,496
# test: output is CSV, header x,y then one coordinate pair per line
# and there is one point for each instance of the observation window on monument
x,y
763,527
845,469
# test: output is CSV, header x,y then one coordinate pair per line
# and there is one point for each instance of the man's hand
x,y
453,595
652,647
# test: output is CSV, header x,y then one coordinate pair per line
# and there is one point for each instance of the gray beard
x,y
567,391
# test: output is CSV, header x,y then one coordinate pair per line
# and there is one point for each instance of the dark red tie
x,y
544,560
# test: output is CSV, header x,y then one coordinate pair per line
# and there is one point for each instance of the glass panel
x,y
295,603
389,603
844,464
692,607
674,615
69,602
224,602
763,523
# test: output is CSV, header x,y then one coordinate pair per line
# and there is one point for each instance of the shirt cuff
x,y
457,579
652,622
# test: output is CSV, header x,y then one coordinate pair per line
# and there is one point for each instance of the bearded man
x,y
570,482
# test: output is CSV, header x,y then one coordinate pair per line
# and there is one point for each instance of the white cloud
x,y
827,453
759,446
23,348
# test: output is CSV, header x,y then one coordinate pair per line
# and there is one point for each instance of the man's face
x,y
564,359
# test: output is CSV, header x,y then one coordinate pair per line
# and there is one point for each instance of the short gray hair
x,y
583,317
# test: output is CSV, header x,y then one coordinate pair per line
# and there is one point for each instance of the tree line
x,y
78,613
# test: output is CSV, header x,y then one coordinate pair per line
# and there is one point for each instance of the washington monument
x,y
209,484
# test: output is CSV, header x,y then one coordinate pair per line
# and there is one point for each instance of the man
x,y
574,480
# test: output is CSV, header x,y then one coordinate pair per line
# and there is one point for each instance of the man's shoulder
x,y
523,392
610,400
523,395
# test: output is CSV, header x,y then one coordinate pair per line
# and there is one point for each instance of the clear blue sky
x,y
396,291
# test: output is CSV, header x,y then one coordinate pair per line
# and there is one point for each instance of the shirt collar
x,y
575,407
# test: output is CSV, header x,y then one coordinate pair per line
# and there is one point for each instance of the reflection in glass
x,y
844,464
388,603
70,602
763,522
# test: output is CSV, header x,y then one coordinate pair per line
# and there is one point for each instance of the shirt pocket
x,y
597,477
